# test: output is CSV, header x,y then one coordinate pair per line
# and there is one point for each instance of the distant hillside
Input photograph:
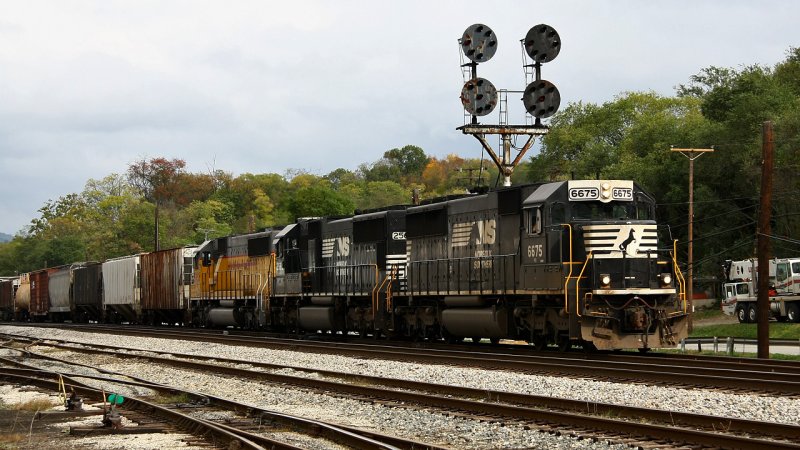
x,y
5,237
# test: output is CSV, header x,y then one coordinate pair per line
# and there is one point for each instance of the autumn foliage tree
x,y
156,179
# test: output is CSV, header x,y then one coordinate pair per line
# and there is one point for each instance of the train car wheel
x,y
475,340
793,313
564,344
741,314
494,341
589,347
539,343
752,314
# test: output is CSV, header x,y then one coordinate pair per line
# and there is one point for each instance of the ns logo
x,y
342,246
338,247
479,232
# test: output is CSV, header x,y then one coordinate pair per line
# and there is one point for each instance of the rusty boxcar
x,y
6,298
40,295
166,280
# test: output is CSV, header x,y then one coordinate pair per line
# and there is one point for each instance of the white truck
x,y
741,289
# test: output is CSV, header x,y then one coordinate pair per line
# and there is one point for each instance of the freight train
x,y
565,263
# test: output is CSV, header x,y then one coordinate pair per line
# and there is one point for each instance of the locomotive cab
x,y
620,289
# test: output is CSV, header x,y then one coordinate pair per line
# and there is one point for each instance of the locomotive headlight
x,y
606,190
605,280
666,279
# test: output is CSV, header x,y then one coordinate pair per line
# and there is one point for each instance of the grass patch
x,y
704,314
7,440
37,404
747,330
172,399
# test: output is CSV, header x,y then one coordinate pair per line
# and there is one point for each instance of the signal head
x,y
479,96
542,43
479,43
541,99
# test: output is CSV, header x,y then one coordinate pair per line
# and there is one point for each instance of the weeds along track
x,y
641,426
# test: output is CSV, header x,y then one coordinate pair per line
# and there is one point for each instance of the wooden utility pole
x,y
764,213
156,243
692,154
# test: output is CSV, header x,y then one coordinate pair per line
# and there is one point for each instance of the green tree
x,y
319,200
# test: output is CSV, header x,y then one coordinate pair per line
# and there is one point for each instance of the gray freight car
x,y
121,289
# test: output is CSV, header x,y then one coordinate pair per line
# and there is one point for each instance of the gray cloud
x,y
88,87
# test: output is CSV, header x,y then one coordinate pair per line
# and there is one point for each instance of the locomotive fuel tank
x,y
314,318
476,322
225,317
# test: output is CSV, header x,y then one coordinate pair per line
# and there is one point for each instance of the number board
x,y
618,193
584,193
592,193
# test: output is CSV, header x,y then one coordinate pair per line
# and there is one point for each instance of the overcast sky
x,y
87,87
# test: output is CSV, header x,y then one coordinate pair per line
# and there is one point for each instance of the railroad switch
x,y
112,418
73,403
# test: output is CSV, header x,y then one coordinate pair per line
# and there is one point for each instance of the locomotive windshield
x,y
611,211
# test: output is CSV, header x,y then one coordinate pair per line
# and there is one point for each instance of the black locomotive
x,y
571,262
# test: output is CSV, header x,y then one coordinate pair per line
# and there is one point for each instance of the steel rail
x,y
784,382
510,408
348,436
187,423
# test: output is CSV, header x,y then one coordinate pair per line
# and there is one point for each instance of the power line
x,y
778,238
779,193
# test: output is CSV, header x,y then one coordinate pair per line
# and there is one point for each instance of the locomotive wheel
x,y
741,314
453,339
793,313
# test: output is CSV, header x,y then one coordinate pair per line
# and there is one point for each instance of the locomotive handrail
x,y
359,279
449,263
566,283
377,289
389,289
578,284
679,276
375,294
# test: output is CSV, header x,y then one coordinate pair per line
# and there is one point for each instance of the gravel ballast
x,y
430,426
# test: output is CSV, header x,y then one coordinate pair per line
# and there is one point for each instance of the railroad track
x,y
663,427
733,374
188,416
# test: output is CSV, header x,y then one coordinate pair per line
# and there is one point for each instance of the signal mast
x,y
480,97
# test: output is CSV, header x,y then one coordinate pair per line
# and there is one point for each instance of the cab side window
x,y
533,220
